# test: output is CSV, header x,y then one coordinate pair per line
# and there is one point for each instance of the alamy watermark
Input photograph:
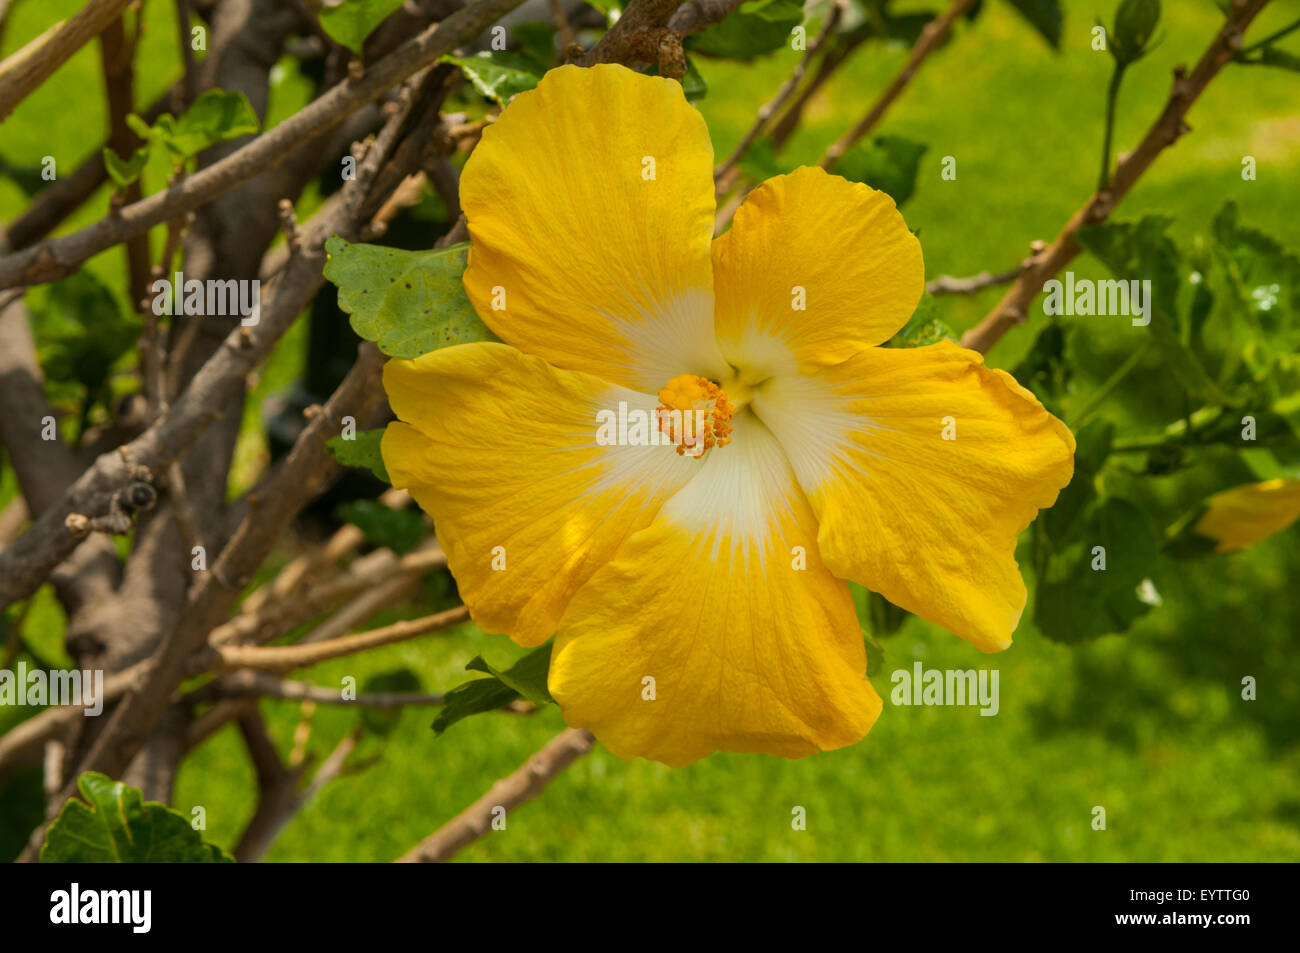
x,y
133,908
946,687
661,427
58,687
216,296
1084,296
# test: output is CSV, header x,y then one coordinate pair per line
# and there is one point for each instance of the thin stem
x,y
1080,417
1112,96
932,36
770,109
1270,38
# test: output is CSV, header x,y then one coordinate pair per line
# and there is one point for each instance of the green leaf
x,y
216,116
350,22
1181,539
399,529
923,327
82,332
116,825
22,806
888,163
125,171
1044,370
137,125
382,721
753,29
361,451
1093,443
536,40
472,698
1261,291
871,19
525,679
1044,16
527,676
1142,251
30,179
407,302
497,74
761,161
1074,601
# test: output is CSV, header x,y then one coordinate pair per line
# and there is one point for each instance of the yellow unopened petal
x,y
1243,515
590,208
923,466
717,628
814,269
503,452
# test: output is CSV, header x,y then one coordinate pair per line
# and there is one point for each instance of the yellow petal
x,y
929,523
501,450
703,636
837,249
1243,515
590,209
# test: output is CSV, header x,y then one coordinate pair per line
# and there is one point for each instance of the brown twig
x,y
32,65
117,59
55,258
507,794
721,175
635,37
251,682
931,37
188,88
696,15
31,558
282,657
1168,127
56,201
836,55
271,598
153,360
948,285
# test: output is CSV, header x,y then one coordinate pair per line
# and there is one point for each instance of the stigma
x,y
695,414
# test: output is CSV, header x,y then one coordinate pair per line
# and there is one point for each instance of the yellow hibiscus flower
x,y
699,602
1243,515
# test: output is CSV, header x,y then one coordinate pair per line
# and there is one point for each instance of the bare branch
x,y
26,69
696,15
282,657
948,285
931,37
771,108
53,259
64,195
1164,132
251,682
30,559
635,37
508,793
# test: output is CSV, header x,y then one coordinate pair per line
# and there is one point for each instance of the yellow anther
x,y
695,414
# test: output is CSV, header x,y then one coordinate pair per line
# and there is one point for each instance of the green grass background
x,y
1149,725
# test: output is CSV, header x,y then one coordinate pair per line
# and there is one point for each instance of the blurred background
x,y
1149,724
